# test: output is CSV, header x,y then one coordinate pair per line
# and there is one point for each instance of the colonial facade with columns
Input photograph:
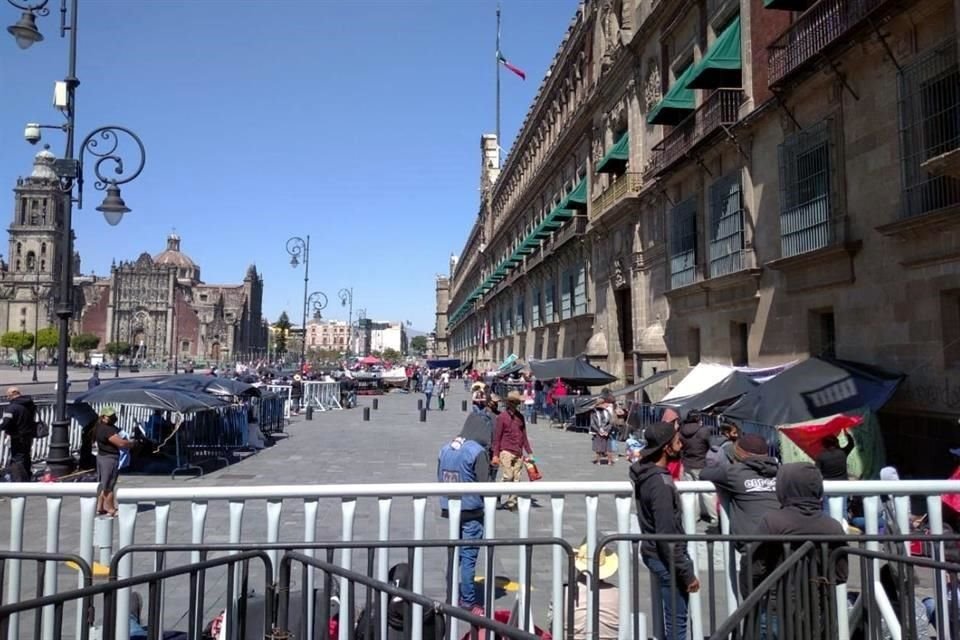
x,y
748,182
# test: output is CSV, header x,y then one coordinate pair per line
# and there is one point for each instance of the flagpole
x,y
499,142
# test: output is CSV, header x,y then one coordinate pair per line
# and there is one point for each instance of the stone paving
x,y
340,448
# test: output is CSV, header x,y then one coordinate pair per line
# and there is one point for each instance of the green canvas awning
x,y
678,103
532,242
721,66
788,5
614,159
576,199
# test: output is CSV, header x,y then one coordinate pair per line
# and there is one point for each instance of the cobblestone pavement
x,y
339,448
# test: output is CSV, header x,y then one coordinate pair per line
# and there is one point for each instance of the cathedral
x,y
157,304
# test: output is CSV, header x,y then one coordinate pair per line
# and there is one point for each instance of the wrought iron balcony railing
x,y
721,108
817,28
623,186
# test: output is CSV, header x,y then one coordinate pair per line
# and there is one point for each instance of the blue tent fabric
x,y
816,388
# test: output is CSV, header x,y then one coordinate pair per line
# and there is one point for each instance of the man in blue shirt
x,y
467,459
428,391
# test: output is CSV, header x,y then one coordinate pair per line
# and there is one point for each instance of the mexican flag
x,y
801,442
517,70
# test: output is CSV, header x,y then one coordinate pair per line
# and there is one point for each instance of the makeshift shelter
x,y
708,374
730,387
516,367
575,371
816,388
210,384
446,363
369,360
151,396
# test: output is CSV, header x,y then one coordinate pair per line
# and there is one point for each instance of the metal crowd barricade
x,y
588,505
324,396
270,410
285,391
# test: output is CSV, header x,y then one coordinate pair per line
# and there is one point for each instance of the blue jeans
x,y
429,395
674,622
469,530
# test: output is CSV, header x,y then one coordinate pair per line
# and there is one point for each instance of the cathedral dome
x,y
186,268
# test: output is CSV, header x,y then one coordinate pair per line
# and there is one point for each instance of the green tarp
x,y
678,103
616,157
721,65
576,199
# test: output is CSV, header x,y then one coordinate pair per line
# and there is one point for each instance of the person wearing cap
x,y
748,486
658,510
109,442
467,459
19,422
510,443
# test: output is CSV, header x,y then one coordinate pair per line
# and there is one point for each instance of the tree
x,y
391,355
48,338
118,348
419,345
84,343
19,341
282,326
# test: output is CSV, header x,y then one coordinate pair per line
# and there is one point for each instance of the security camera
x,y
31,133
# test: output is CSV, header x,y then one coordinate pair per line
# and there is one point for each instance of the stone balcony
x,y
622,189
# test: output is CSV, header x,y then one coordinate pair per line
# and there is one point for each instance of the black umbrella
x,y
576,371
152,396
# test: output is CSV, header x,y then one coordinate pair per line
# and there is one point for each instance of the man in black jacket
x,y
658,509
19,422
696,437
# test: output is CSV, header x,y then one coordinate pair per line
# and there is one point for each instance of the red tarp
x,y
809,435
369,360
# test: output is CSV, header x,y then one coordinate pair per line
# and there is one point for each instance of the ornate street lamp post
x,y
299,249
36,322
346,299
317,302
103,145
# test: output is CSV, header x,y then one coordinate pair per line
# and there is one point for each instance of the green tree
x,y
84,343
118,348
419,345
282,327
19,341
48,338
392,355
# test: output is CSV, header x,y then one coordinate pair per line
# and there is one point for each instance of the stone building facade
x,y
329,335
159,305
736,181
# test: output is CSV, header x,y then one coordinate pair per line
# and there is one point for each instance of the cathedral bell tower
x,y
34,233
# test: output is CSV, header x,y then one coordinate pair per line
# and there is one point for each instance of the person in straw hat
x,y
510,443
109,442
609,594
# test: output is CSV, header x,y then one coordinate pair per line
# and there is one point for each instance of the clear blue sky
x,y
355,122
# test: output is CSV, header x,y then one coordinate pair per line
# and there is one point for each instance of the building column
x,y
111,309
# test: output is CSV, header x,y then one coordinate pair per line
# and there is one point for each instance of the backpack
x,y
41,429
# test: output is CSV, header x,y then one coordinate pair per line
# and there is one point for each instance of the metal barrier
x,y
574,502
47,618
324,396
271,413
284,391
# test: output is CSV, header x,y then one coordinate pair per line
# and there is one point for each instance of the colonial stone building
x,y
738,181
159,305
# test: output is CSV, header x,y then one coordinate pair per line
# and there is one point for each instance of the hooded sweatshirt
x,y
19,418
696,444
658,509
750,486
467,459
800,493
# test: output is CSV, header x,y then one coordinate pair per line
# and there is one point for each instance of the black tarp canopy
x,y
584,404
576,371
210,384
516,367
152,396
816,388
446,363
730,388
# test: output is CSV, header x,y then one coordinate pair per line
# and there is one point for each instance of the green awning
x,y
615,159
721,65
576,199
788,5
678,103
532,242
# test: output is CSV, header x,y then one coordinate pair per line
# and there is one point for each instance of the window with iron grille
x,y
496,325
579,290
521,316
683,243
726,226
507,312
550,294
566,293
535,318
929,105
805,179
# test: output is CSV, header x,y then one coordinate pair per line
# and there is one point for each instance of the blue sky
x,y
355,122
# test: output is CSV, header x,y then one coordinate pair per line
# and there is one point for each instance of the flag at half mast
x,y
506,63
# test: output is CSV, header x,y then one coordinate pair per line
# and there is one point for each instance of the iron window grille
x,y
928,95
566,294
579,275
536,318
726,226
683,243
806,164
550,303
521,319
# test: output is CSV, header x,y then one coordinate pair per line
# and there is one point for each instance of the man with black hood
x,y
658,509
467,459
19,421
696,437
749,486
800,493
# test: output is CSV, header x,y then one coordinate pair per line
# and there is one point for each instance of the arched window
x,y
18,265
34,212
43,248
43,265
19,249
23,211
23,311
31,261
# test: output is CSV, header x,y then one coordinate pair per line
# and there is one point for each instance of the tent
x,y
731,387
152,396
708,374
210,384
816,388
643,384
369,360
516,367
576,371
446,363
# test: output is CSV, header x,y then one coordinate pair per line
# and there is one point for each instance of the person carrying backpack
x,y
19,421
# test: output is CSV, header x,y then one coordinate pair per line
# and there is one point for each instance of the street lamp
x,y
317,302
298,248
103,145
346,298
36,321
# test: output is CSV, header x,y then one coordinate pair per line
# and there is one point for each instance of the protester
x,y
832,463
109,442
658,510
510,443
723,450
749,486
296,393
609,605
94,380
600,426
466,459
478,397
696,444
19,422
428,391
441,396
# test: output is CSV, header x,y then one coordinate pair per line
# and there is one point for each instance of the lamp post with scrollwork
x,y
299,249
103,147
346,299
316,302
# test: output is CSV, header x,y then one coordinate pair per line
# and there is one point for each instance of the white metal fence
x,y
324,396
564,498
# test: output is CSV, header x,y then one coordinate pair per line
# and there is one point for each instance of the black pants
x,y
20,461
